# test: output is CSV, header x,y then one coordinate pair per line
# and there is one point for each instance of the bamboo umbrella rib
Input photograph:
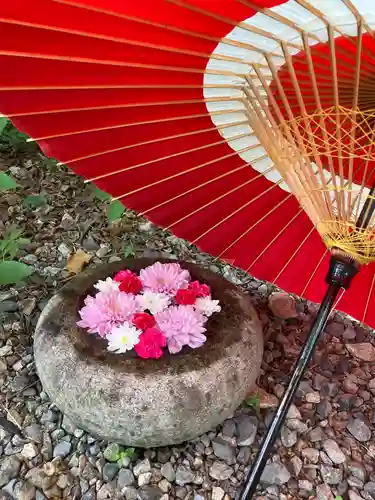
x,y
294,253
134,43
131,124
120,87
195,241
159,139
274,239
261,219
212,202
167,157
130,105
179,174
314,272
199,186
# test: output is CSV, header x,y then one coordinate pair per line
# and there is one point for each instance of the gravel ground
x,y
326,448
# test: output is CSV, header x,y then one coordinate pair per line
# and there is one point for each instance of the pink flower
x,y
106,311
150,344
164,278
200,290
181,325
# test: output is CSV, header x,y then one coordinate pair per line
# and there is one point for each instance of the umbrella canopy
x,y
150,100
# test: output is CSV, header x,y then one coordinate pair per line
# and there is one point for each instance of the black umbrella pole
x,y
340,274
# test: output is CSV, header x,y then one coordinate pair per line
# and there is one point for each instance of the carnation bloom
x,y
121,275
200,290
207,306
181,325
143,321
106,286
107,310
186,297
123,338
164,278
150,344
131,284
153,302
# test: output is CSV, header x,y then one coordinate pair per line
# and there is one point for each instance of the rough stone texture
x,y
124,398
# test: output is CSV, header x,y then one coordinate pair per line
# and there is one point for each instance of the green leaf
x,y
3,123
129,251
98,194
338,498
115,211
13,272
24,241
35,201
11,249
112,453
129,452
6,182
253,401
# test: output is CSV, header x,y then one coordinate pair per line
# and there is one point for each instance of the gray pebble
x,y
370,488
34,432
184,475
296,464
229,428
275,473
149,493
62,449
357,470
168,472
109,471
288,437
330,475
224,450
246,430
125,478
323,409
359,430
244,454
163,455
89,495
9,468
49,416
311,454
333,451
220,471
323,492
142,467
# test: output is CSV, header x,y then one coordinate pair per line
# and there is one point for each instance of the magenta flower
x,y
106,311
164,278
181,325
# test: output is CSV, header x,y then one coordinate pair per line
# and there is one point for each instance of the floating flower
x,y
122,275
207,306
164,278
123,338
200,290
181,325
107,310
106,286
186,297
131,284
143,321
150,344
153,302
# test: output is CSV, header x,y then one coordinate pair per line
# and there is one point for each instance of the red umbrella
x,y
201,115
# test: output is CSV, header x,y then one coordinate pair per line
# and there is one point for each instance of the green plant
x,y
7,183
338,497
253,401
35,200
12,271
115,208
129,251
11,135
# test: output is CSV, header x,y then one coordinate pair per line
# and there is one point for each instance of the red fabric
x,y
78,76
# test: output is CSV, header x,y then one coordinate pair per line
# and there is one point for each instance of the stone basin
x,y
147,403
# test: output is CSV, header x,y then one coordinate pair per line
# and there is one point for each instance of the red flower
x,y
186,297
122,275
150,344
143,321
200,290
131,284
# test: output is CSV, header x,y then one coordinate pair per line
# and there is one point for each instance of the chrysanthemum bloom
x,y
186,297
123,338
207,306
107,285
131,284
150,344
121,275
107,310
153,301
181,325
164,278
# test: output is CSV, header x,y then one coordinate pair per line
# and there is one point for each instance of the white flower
x,y
123,338
153,301
207,306
107,286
